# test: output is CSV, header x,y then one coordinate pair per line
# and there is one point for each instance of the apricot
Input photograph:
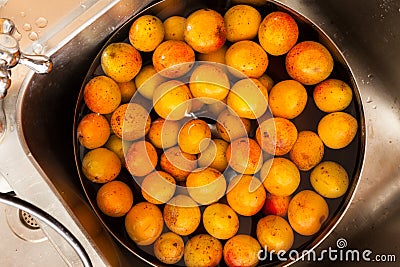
x,y
246,195
241,250
178,163
144,223
182,215
174,27
267,81
332,95
114,198
121,62
247,57
169,248
244,155
102,95
141,158
171,100
309,62
115,144
128,89
217,56
209,82
274,233
280,176
230,126
158,187
206,186
287,99
147,80
101,165
248,98
203,250
276,205
173,58
130,121
276,136
146,33
194,136
307,212
93,130
329,179
163,133
307,151
337,129
214,155
278,33
242,23
205,37
220,221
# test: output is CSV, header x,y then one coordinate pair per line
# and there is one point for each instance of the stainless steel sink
x,y
37,153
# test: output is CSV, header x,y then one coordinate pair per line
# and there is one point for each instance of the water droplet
x,y
27,27
33,36
37,48
369,100
41,22
3,2
374,106
83,6
23,14
370,76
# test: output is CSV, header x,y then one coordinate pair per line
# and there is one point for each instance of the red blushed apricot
x,y
248,57
178,163
102,95
169,55
141,158
278,33
276,136
205,30
309,62
241,250
244,155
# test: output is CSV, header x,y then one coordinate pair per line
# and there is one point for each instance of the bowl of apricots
x,y
219,133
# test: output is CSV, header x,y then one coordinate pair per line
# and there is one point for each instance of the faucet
x,y
10,56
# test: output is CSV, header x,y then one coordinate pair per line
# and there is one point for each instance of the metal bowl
x,y
351,157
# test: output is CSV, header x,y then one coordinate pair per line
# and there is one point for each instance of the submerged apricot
x,y
309,62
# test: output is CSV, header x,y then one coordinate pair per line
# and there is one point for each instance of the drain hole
x,y
28,220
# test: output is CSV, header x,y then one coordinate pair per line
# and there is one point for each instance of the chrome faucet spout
x,y
10,56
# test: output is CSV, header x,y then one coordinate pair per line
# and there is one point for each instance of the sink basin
x,y
40,135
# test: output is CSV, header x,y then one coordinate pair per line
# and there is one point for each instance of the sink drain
x,y
24,225
28,220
